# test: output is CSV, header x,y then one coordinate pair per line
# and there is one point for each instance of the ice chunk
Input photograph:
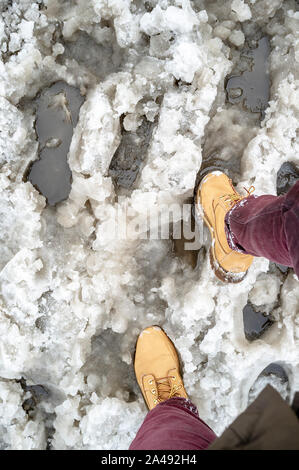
x,y
265,290
237,38
179,20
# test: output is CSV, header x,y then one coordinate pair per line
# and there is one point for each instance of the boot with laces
x,y
157,367
215,197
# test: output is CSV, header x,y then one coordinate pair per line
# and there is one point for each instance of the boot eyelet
x,y
155,402
153,391
173,378
150,382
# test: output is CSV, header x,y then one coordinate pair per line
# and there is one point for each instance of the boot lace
x,y
166,388
232,199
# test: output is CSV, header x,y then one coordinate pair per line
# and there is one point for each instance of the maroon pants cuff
x,y
267,226
173,425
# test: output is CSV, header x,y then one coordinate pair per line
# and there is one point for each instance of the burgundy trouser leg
x,y
173,425
267,226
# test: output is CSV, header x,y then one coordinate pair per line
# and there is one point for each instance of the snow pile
x,y
73,298
265,290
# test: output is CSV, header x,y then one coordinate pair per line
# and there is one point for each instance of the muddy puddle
x,y
276,371
130,156
247,92
252,87
121,376
287,176
57,113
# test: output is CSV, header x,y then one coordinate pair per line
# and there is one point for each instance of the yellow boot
x,y
157,367
215,197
